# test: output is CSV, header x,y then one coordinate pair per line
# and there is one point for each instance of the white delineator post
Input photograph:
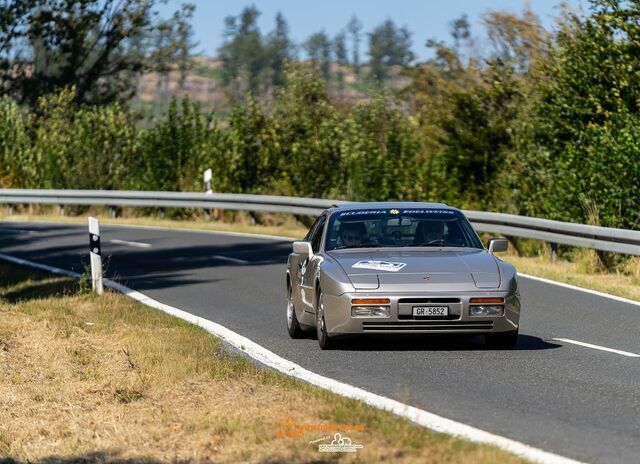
x,y
208,189
208,176
96,256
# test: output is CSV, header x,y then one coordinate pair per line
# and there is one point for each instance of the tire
x,y
325,341
293,326
502,341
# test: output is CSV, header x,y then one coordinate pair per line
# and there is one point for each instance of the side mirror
x,y
302,248
496,245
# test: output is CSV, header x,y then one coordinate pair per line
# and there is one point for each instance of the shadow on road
x,y
20,283
435,343
175,262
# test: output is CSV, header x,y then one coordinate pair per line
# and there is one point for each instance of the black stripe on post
x,y
94,244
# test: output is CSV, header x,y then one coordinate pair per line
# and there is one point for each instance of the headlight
x,y
370,311
486,310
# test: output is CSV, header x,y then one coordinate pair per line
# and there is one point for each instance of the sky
x,y
425,18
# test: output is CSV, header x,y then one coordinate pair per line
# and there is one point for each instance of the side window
x,y
316,235
312,229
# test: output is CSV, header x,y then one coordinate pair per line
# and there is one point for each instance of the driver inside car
x,y
351,234
429,232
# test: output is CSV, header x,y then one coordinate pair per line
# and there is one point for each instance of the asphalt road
x,y
572,400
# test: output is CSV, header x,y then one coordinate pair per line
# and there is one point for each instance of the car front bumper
x,y
337,313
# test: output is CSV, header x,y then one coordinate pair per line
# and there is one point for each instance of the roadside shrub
x,y
17,167
85,148
177,150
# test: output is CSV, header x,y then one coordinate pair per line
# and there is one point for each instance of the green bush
x,y
177,150
93,147
17,166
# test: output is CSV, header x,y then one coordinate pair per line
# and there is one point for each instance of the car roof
x,y
389,204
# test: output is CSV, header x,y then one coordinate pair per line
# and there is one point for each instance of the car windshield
x,y
402,227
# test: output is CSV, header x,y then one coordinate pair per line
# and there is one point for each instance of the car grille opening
x,y
427,326
429,300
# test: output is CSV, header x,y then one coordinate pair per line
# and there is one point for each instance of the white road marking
x,y
12,230
133,244
269,358
231,260
580,289
597,347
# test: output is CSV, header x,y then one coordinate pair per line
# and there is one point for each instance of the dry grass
x,y
88,379
583,272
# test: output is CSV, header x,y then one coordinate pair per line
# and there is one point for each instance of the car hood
x,y
393,270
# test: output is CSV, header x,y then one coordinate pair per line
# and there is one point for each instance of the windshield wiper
x,y
437,245
362,245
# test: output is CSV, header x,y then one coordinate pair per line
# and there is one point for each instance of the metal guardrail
x,y
623,241
580,235
142,198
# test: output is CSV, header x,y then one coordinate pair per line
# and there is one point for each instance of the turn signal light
x,y
487,300
371,301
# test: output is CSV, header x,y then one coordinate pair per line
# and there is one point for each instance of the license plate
x,y
430,311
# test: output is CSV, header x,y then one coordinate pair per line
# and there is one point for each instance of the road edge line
x,y
593,346
270,359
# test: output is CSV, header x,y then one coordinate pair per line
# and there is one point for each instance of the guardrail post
x,y
554,251
96,256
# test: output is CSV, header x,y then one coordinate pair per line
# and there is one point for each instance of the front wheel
x,y
324,339
502,341
293,326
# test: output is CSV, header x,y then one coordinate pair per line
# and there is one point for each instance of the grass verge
x,y
614,283
105,379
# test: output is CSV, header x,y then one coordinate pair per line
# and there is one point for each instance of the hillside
x,y
203,84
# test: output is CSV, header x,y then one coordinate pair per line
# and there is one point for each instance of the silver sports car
x,y
400,268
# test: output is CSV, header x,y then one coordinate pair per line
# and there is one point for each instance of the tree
x,y
478,133
318,48
242,53
179,147
589,114
384,151
308,133
18,168
460,30
340,52
279,49
185,43
13,23
389,46
92,45
354,28
161,60
519,40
